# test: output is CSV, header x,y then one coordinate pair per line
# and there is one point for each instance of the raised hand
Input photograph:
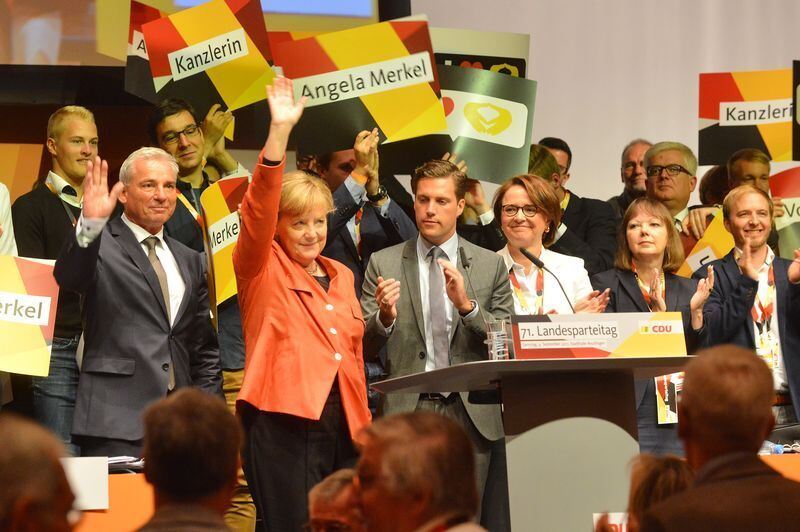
x,y
283,110
794,268
747,261
777,207
284,114
697,221
657,303
475,197
698,301
594,303
453,158
214,126
98,202
387,293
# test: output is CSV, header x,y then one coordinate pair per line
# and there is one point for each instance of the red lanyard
x,y
759,307
646,289
512,276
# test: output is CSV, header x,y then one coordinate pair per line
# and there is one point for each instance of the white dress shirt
x,y
88,229
57,183
570,271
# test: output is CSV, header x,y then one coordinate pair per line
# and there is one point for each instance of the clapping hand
x,y
698,301
594,303
794,268
387,293
657,303
98,202
214,126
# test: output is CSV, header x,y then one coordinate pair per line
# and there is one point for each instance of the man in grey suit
x,y
416,303
145,306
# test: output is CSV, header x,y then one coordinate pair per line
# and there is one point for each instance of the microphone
x,y
539,264
466,263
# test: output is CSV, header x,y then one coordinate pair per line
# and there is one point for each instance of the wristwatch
x,y
379,195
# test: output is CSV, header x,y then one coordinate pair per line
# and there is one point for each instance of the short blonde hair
x,y
301,191
55,124
734,195
673,252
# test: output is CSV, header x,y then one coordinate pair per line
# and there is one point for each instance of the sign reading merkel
x,y
28,297
379,75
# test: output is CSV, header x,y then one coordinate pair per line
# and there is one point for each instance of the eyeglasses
x,y
562,169
672,170
528,210
174,136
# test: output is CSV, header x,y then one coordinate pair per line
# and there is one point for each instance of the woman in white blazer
x,y
529,216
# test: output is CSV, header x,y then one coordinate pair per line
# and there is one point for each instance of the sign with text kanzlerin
x,y
622,334
220,202
28,298
489,124
745,110
379,75
217,52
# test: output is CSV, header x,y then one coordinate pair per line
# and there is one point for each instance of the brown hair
x,y
541,195
542,163
439,168
427,454
734,195
191,445
713,185
655,478
302,191
673,252
727,399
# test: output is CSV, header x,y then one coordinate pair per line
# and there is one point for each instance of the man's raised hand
x,y
98,202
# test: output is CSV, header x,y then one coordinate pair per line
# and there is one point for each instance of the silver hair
x,y
689,159
145,154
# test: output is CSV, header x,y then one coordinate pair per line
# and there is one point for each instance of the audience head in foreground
x,y
333,505
34,492
417,472
725,414
191,453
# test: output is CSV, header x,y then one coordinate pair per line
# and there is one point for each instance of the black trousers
x,y
285,456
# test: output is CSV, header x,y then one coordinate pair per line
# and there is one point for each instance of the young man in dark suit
x,y
754,302
588,226
724,416
147,327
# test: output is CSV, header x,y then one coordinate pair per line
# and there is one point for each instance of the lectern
x,y
570,428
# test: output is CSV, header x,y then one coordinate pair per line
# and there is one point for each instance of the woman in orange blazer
x,y
303,398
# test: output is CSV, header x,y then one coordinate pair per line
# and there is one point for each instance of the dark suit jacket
x,y
734,492
727,312
377,232
591,233
406,344
128,341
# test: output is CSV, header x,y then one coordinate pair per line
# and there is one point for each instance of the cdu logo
x,y
487,118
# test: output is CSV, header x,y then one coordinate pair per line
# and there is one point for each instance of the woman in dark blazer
x,y
649,252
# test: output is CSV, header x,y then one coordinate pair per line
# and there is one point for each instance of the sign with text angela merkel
x,y
379,75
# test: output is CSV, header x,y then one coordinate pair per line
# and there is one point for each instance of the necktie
x,y
359,215
68,190
678,225
151,242
438,315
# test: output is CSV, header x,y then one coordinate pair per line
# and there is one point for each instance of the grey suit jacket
x,y
406,352
128,341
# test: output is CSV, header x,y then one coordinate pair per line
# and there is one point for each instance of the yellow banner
x,y
715,244
28,299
